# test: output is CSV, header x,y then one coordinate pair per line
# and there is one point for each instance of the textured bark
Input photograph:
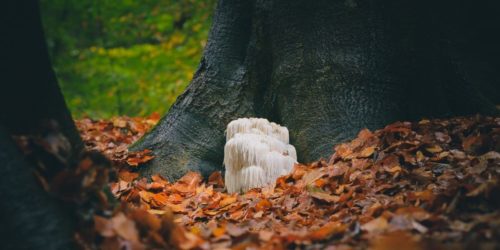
x,y
224,87
325,69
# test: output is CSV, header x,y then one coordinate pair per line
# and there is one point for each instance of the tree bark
x,y
30,96
325,69
31,218
30,103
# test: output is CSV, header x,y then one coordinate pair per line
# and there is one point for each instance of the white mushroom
x,y
256,154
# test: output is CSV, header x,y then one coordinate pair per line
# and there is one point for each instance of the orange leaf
x,y
227,201
376,225
396,240
328,230
127,175
215,179
103,226
319,194
366,152
263,204
125,227
160,199
219,231
146,219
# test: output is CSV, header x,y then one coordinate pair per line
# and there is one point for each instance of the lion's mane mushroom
x,y
257,152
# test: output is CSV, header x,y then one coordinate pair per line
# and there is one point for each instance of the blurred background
x,y
124,57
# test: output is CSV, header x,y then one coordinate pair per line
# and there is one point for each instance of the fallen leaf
x,y
376,225
328,230
319,194
125,228
104,226
228,200
396,240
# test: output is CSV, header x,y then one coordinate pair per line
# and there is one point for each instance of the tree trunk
x,y
30,96
325,69
30,103
31,219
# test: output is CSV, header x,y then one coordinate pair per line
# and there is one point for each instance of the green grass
x,y
125,58
135,81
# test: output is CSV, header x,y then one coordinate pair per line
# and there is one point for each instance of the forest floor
x,y
430,184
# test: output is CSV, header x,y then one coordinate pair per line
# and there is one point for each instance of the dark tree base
x,y
31,218
325,70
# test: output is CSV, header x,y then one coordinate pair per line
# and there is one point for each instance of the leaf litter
x,y
426,184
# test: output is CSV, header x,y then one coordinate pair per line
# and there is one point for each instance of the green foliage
x,y
125,57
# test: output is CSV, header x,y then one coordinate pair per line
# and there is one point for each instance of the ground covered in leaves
x,y
421,185
433,183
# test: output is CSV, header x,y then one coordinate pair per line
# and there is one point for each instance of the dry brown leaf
x,y
434,149
219,231
319,194
328,230
104,226
215,179
265,235
408,176
368,151
228,200
146,219
376,225
396,240
125,227
313,175
263,205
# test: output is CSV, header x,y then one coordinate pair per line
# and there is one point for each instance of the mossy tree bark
x,y
325,69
